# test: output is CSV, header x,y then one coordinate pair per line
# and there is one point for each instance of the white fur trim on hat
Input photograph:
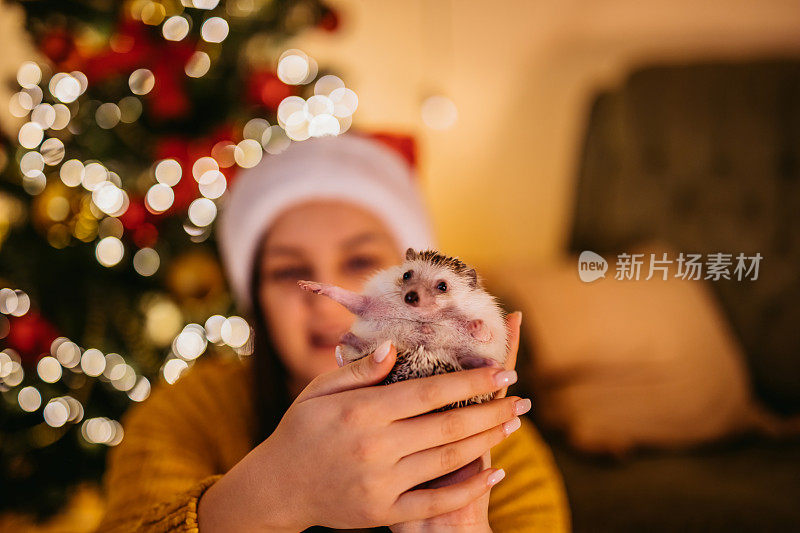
x,y
347,168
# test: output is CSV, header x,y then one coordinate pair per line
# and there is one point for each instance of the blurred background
x,y
538,129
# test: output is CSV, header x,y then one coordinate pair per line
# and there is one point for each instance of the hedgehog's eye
x,y
407,275
442,286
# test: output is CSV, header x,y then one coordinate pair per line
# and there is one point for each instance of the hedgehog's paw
x,y
311,286
479,330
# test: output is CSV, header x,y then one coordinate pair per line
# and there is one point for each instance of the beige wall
x,y
500,182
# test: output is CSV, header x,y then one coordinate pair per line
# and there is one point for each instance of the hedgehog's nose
x,y
412,298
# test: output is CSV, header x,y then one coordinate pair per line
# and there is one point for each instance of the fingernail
x,y
511,426
505,378
520,317
522,406
496,476
339,359
382,351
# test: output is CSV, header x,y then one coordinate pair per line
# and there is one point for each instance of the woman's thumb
x,y
369,370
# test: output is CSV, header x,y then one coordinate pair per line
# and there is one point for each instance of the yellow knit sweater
x,y
182,439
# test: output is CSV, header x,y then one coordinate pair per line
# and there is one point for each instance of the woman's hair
x,y
270,384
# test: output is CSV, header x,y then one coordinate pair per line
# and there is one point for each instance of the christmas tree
x,y
132,123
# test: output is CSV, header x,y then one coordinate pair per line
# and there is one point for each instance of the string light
x,y
175,28
214,30
109,251
168,172
146,262
29,399
141,81
202,211
198,65
235,331
159,198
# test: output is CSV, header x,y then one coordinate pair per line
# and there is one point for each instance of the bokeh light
x,y
66,88
146,262
29,399
93,362
56,412
173,369
159,198
72,173
213,184
327,84
30,135
198,65
191,342
175,28
439,112
168,172
213,327
31,164
53,151
109,251
248,153
29,74
108,115
293,67
63,117
44,115
130,108
214,30
141,390
235,331
49,369
141,81
68,354
202,212
93,175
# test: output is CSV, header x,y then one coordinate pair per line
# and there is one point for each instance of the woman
x,y
287,440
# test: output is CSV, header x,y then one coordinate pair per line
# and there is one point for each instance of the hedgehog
x,y
435,311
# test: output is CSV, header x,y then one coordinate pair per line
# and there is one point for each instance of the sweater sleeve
x,y
179,514
532,496
157,474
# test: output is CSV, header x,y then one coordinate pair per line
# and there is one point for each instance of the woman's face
x,y
325,241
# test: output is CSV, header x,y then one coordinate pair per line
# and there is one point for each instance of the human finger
x,y
369,370
434,429
417,396
435,462
425,503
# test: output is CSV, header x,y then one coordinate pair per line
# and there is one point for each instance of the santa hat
x,y
348,167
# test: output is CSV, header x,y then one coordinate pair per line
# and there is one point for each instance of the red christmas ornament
x,y
264,88
135,215
31,335
57,45
329,21
145,236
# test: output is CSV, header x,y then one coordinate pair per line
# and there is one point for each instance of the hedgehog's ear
x,y
411,254
472,276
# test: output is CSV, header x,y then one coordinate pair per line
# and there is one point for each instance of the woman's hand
x,y
346,453
475,516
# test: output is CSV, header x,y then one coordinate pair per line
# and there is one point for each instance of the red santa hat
x,y
348,167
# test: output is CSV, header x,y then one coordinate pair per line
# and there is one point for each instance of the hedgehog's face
x,y
426,289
